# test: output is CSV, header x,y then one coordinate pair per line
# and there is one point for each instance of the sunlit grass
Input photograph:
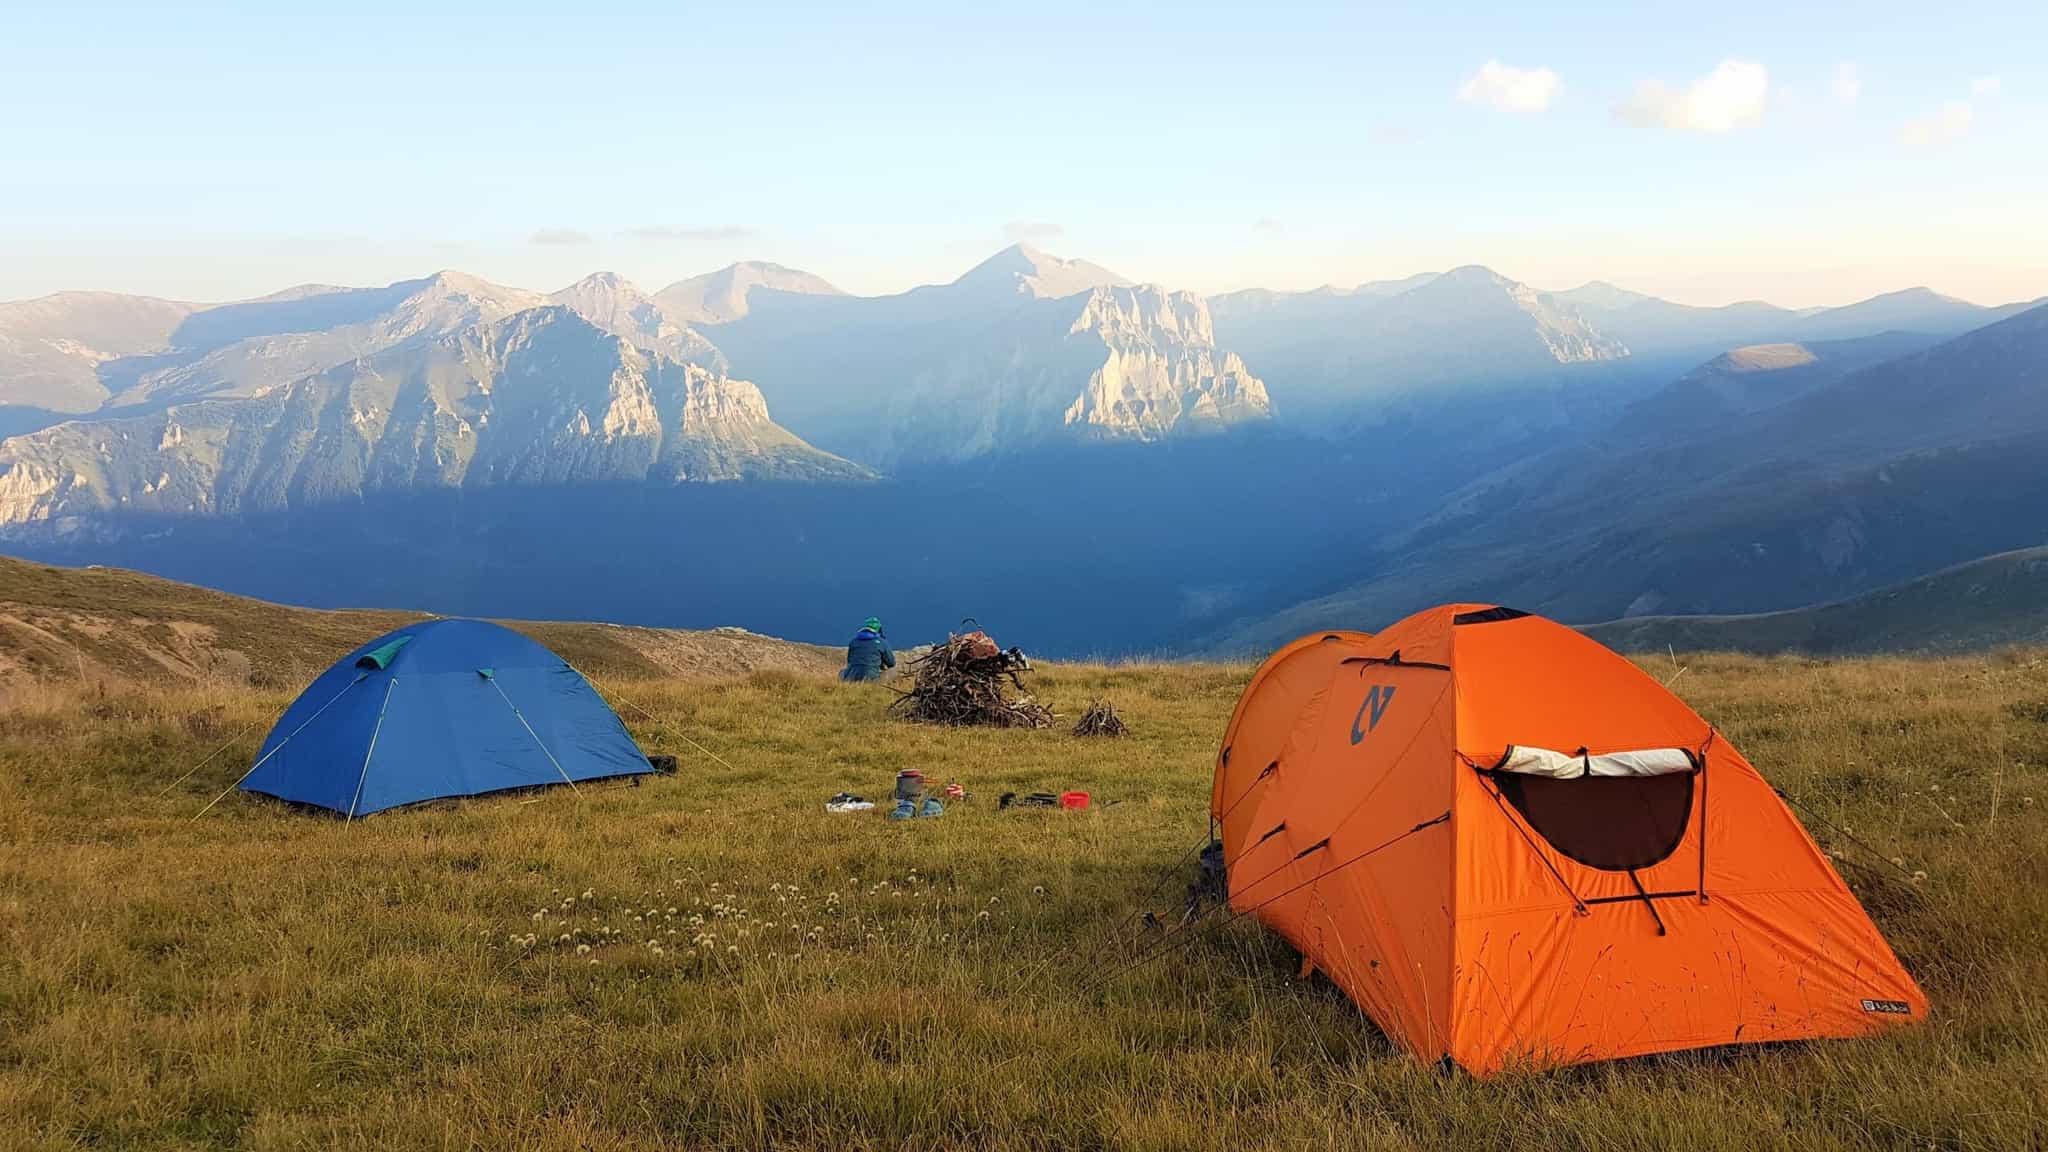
x,y
712,960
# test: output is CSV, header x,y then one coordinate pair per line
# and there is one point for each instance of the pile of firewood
x,y
961,683
1101,720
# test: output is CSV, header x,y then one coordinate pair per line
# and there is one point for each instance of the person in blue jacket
x,y
868,653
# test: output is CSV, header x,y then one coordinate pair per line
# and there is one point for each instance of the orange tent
x,y
1265,715
1509,845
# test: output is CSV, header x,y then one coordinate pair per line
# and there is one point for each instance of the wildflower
x,y
1038,889
658,951
583,949
592,960
587,893
564,938
539,916
1898,861
983,916
671,911
1919,876
732,950
994,900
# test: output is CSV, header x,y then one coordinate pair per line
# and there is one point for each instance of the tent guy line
x,y
279,748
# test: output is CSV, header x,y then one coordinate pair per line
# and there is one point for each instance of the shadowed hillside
x,y
1999,600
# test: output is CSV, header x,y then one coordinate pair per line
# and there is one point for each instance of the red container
x,y
1073,799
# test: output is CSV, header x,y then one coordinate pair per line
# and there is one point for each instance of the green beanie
x,y
872,623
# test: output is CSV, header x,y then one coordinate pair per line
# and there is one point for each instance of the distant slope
x,y
102,623
51,348
1021,351
1660,328
1993,602
542,397
614,304
716,297
1923,461
1333,352
1752,378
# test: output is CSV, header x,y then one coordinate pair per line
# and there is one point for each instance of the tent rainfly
x,y
1511,846
437,709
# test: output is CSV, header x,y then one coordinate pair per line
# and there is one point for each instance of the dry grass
x,y
95,625
268,979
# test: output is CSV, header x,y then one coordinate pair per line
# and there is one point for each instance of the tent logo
x,y
1376,702
1891,1007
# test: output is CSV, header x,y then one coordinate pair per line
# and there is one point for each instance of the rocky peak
x,y
615,305
1023,270
723,296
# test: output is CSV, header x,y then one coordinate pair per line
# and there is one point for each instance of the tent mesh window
x,y
1614,823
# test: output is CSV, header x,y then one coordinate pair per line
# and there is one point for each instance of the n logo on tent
x,y
1370,710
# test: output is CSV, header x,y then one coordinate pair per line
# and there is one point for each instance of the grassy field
x,y
710,960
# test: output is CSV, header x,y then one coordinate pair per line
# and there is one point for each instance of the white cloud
x,y
1949,123
715,232
1268,226
560,236
1515,89
1985,86
1731,96
1848,84
1033,231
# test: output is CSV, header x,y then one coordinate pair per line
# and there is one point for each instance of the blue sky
x,y
1800,153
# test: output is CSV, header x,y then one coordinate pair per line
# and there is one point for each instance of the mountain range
x,y
1142,468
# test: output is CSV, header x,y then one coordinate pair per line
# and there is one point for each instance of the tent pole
x,y
536,736
374,733
279,748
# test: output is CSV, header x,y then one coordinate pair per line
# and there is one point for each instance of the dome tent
x,y
437,709
1509,845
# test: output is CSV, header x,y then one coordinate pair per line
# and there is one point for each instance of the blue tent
x,y
440,708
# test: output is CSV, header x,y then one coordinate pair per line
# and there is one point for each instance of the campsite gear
x,y
848,802
867,654
955,792
666,765
960,682
1508,844
932,807
909,784
976,645
1075,800
905,810
441,708
1034,800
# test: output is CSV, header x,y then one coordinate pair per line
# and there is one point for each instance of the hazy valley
x,y
1101,466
